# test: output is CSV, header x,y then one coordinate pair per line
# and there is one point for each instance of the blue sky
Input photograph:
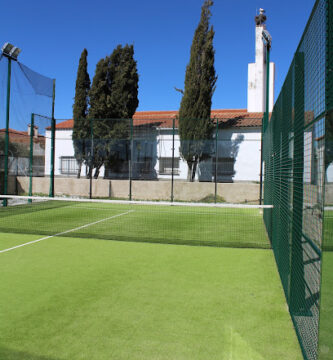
x,y
52,36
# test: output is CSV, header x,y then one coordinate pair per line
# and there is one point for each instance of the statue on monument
x,y
261,18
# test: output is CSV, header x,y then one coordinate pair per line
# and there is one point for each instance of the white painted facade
x,y
256,90
240,144
329,174
63,150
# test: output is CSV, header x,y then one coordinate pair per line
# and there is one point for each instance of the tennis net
x,y
220,225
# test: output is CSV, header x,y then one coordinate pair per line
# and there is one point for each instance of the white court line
x,y
65,232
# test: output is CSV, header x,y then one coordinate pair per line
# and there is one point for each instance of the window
x,y
225,166
165,166
69,165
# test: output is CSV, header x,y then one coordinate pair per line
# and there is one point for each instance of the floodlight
x,y
7,48
15,52
266,38
10,51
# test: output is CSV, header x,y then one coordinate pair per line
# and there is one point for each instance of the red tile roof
x,y
21,137
63,125
228,118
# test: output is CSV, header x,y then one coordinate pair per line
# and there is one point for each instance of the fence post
x,y
131,159
261,159
91,157
9,73
173,157
264,121
31,156
297,281
216,157
53,125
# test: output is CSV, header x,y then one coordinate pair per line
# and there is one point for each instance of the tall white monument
x,y
256,90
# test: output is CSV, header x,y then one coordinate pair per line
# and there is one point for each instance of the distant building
x,y
19,152
238,155
239,137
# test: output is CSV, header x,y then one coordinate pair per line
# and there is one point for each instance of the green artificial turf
x,y
328,230
71,298
326,308
148,223
8,240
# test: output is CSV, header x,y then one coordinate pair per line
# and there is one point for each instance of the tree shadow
x,y
225,152
10,354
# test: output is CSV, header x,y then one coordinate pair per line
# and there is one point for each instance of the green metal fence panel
x,y
294,164
326,302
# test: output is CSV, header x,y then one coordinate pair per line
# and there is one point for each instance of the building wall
x,y
63,148
242,144
329,174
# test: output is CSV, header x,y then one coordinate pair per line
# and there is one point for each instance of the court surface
x,y
74,297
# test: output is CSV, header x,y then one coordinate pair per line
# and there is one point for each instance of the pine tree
x,y
195,124
81,130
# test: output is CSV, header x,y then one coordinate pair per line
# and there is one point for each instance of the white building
x,y
238,141
238,149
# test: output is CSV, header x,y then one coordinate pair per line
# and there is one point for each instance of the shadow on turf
x,y
9,354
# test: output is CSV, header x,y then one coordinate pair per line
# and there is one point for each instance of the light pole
x,y
267,40
11,52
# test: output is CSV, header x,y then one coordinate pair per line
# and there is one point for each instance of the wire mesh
x,y
145,161
27,100
294,158
219,225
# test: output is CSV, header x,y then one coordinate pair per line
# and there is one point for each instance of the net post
x,y
216,158
31,155
131,160
173,157
51,192
9,73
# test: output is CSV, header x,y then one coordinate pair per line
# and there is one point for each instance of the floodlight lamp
x,y
266,38
15,52
10,51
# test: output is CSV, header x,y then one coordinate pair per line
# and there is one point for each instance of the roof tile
x,y
227,117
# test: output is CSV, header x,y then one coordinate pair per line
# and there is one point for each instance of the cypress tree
x,y
195,124
98,112
124,89
99,91
113,101
81,130
123,102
